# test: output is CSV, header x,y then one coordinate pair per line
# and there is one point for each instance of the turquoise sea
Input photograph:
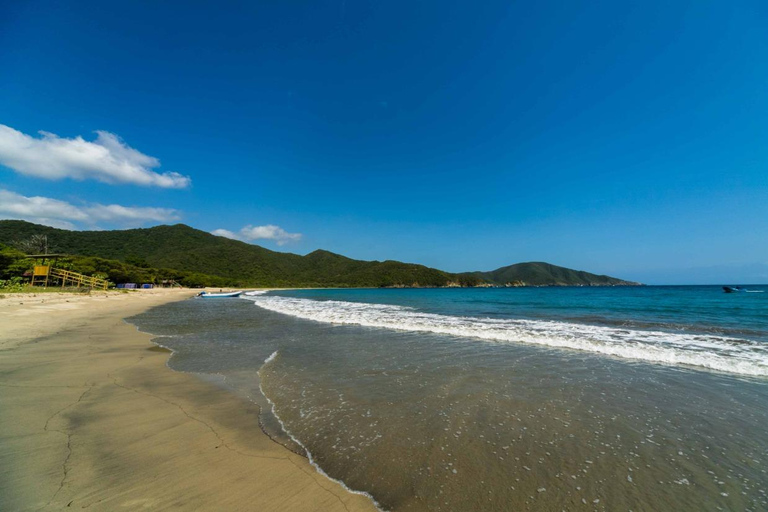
x,y
623,398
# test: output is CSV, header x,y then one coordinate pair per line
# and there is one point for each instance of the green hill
x,y
198,257
186,249
537,273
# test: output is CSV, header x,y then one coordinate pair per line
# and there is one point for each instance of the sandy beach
x,y
93,418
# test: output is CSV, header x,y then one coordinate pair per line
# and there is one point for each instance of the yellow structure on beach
x,y
45,275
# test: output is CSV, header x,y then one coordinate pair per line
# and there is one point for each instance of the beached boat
x,y
208,295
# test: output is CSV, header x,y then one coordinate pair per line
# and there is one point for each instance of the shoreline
x,y
308,453
93,417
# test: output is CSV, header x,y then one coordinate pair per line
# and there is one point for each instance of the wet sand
x,y
91,417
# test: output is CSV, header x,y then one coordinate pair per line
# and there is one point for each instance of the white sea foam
x,y
271,357
720,353
310,457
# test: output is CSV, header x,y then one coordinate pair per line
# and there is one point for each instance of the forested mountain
x,y
202,258
545,274
183,248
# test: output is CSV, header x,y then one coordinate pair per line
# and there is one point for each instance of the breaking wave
x,y
720,353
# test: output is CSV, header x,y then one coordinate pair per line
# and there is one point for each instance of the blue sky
x,y
628,138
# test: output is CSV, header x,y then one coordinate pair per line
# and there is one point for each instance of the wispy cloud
x,y
61,214
269,232
225,233
107,159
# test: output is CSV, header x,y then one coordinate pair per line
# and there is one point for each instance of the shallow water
x,y
403,394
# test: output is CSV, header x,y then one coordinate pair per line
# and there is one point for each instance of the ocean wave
x,y
255,293
720,353
309,454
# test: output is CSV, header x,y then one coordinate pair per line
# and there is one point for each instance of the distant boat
x,y
207,295
739,289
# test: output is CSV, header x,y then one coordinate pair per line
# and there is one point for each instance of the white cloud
x,y
269,232
56,213
107,159
225,233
